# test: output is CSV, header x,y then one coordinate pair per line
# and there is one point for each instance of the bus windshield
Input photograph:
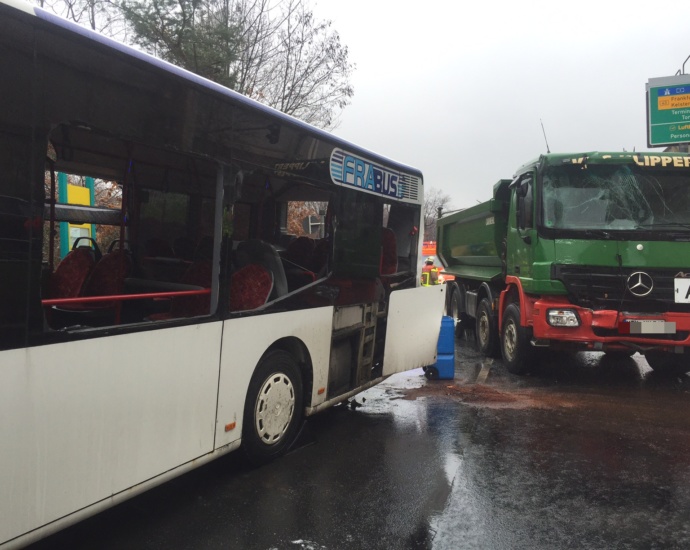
x,y
616,197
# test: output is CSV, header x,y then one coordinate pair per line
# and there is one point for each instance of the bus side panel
x,y
244,342
414,323
84,420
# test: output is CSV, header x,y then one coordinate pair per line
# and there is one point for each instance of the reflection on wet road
x,y
588,452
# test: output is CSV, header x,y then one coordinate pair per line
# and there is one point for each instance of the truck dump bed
x,y
470,242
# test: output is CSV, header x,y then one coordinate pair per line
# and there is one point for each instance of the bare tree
x,y
293,62
103,16
433,200
198,35
257,22
274,51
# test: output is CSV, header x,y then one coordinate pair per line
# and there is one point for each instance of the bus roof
x,y
205,83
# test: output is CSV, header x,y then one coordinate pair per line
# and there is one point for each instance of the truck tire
x,y
454,310
487,329
668,363
515,342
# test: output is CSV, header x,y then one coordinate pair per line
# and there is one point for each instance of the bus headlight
x,y
562,318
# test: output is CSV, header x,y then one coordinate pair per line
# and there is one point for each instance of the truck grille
x,y
597,287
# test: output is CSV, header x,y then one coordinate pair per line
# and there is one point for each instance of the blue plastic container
x,y
444,368
446,339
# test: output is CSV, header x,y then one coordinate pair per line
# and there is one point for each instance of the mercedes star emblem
x,y
640,284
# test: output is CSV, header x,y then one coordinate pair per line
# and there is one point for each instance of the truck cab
x,y
587,251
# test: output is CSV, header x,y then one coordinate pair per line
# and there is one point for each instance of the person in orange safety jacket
x,y
430,272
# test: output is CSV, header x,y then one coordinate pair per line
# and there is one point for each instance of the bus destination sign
x,y
350,169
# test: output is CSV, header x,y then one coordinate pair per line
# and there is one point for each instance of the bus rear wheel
x,y
273,409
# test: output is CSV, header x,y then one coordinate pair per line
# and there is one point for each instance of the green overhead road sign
x,y
668,110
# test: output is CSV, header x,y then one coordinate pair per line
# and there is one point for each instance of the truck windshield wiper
x,y
597,233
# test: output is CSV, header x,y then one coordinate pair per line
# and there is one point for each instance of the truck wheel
x,y
454,310
667,363
273,409
487,329
515,344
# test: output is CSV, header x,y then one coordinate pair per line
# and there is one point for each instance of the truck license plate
x,y
647,326
682,290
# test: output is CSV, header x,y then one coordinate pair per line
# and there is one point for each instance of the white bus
x,y
260,270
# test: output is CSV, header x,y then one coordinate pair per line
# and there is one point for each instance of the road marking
x,y
484,372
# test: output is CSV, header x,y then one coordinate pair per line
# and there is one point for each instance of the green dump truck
x,y
586,251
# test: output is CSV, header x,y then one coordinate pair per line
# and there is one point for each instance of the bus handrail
x,y
123,297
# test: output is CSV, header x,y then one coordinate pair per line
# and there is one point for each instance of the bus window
x,y
404,221
358,223
153,253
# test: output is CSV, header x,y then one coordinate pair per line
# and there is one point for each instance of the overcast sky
x,y
458,89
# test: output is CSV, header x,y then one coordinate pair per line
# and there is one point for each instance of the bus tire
x,y
486,329
273,409
665,363
515,342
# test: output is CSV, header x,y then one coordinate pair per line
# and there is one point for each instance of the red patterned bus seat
x,y
108,276
69,276
250,287
389,252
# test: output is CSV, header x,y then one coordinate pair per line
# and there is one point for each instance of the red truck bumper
x,y
608,328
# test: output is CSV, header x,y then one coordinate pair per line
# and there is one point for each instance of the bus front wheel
x,y
273,409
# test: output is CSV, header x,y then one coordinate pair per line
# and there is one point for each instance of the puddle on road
x,y
661,406
405,387
413,385
663,401
488,396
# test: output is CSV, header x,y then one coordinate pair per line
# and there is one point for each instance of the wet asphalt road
x,y
587,452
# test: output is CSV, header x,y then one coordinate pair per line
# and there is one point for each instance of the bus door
x,y
378,305
414,323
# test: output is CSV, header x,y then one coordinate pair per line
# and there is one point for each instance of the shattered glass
x,y
615,197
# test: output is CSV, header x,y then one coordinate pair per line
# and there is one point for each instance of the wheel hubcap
x,y
275,407
510,341
483,329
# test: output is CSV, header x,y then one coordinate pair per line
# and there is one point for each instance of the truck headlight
x,y
562,318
